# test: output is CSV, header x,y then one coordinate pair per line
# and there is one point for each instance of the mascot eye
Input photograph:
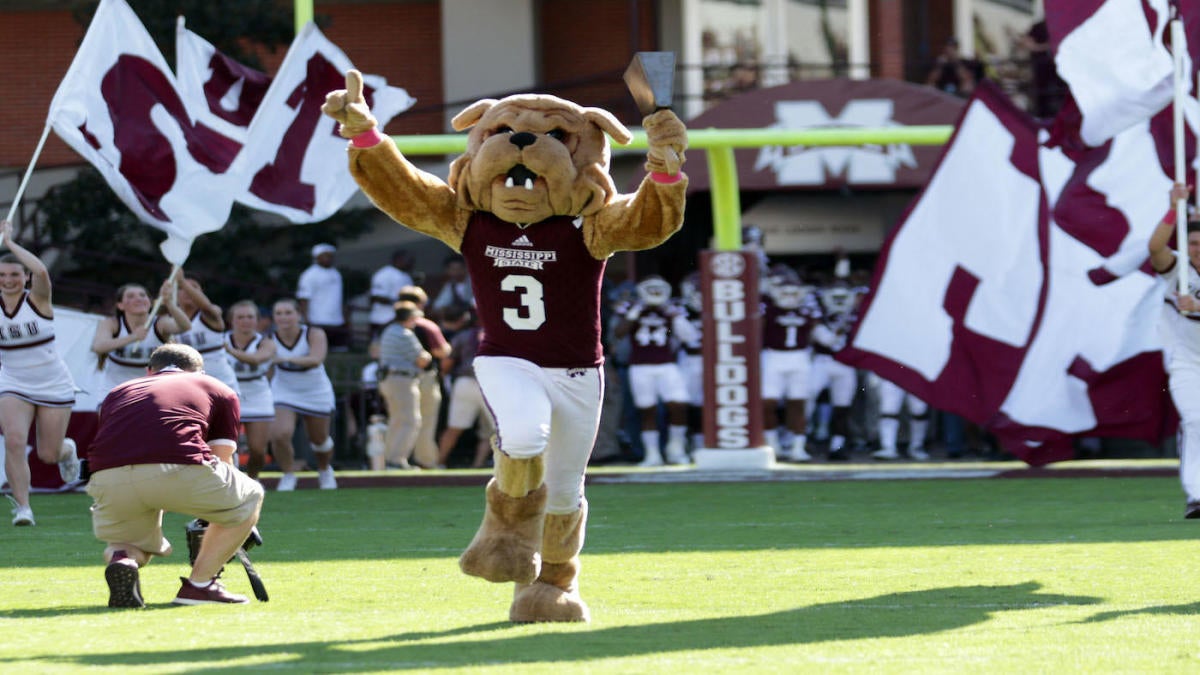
x,y
557,134
504,130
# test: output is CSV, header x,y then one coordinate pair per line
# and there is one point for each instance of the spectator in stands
x,y
456,289
322,303
1048,89
430,381
953,73
402,359
385,290
467,406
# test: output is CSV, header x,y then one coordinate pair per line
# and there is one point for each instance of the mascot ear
x,y
469,116
607,123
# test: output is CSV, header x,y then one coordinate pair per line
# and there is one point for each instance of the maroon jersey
x,y
537,290
165,418
651,336
789,329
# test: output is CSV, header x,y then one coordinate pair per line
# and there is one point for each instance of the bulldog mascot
x,y
533,210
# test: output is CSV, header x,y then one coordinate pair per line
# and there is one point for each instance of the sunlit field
x,y
967,575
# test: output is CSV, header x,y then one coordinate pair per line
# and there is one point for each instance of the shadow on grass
x,y
894,615
1190,609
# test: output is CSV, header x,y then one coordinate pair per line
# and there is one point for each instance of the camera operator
x,y
166,443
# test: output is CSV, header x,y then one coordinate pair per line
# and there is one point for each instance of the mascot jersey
x,y
537,290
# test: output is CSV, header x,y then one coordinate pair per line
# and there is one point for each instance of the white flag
x,y
224,93
294,158
1006,294
1112,55
118,107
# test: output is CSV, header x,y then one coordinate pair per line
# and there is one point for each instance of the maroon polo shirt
x,y
165,418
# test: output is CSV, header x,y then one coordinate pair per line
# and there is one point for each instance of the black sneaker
x,y
1191,511
124,586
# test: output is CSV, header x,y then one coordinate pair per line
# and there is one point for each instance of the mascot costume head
x,y
533,210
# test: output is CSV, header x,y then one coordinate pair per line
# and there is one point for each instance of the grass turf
x,y
1050,575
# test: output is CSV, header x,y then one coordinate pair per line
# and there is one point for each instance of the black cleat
x,y
124,586
1192,510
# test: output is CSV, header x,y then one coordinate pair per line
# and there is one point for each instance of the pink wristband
x,y
666,178
1169,219
367,139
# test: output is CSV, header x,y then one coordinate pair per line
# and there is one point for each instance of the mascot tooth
x,y
532,208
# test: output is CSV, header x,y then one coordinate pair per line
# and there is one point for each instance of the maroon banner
x,y
732,345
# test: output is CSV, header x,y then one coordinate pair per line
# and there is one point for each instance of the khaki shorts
x,y
129,500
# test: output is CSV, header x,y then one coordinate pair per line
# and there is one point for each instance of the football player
x,y
790,311
655,328
839,309
891,399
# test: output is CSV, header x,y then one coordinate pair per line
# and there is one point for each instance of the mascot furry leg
x,y
555,594
507,546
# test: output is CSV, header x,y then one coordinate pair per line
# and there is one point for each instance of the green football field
x,y
984,575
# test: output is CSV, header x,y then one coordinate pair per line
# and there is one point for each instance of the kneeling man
x,y
166,442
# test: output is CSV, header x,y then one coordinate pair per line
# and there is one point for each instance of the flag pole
x,y
28,172
1178,47
159,299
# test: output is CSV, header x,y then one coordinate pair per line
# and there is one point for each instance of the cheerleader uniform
x,y
306,390
129,362
31,368
211,345
254,390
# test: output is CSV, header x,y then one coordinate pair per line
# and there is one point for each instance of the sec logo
x,y
727,264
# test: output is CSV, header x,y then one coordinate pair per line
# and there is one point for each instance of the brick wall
x,y
401,41
36,48
585,40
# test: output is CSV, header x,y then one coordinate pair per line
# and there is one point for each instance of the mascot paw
x,y
543,602
666,136
500,558
349,107
508,545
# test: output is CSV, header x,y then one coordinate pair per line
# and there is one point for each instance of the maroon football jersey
x,y
537,290
651,338
788,329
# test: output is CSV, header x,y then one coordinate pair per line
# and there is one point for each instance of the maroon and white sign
x,y
840,104
732,335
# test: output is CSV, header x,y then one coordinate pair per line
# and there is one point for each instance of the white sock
x,y
650,443
678,434
889,428
916,430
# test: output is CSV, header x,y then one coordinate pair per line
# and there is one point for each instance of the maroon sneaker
x,y
124,587
211,594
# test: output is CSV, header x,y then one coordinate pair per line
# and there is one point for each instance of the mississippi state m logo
x,y
803,165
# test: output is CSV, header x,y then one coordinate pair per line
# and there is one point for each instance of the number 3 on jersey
x,y
533,312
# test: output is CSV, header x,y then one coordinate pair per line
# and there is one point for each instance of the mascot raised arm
x,y
533,210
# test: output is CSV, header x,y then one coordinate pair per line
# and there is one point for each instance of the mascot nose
x,y
522,139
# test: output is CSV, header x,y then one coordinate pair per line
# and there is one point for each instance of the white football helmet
x,y
789,294
654,291
838,298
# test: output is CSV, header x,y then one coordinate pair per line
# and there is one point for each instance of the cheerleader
x,y
250,355
205,332
35,384
124,341
301,389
